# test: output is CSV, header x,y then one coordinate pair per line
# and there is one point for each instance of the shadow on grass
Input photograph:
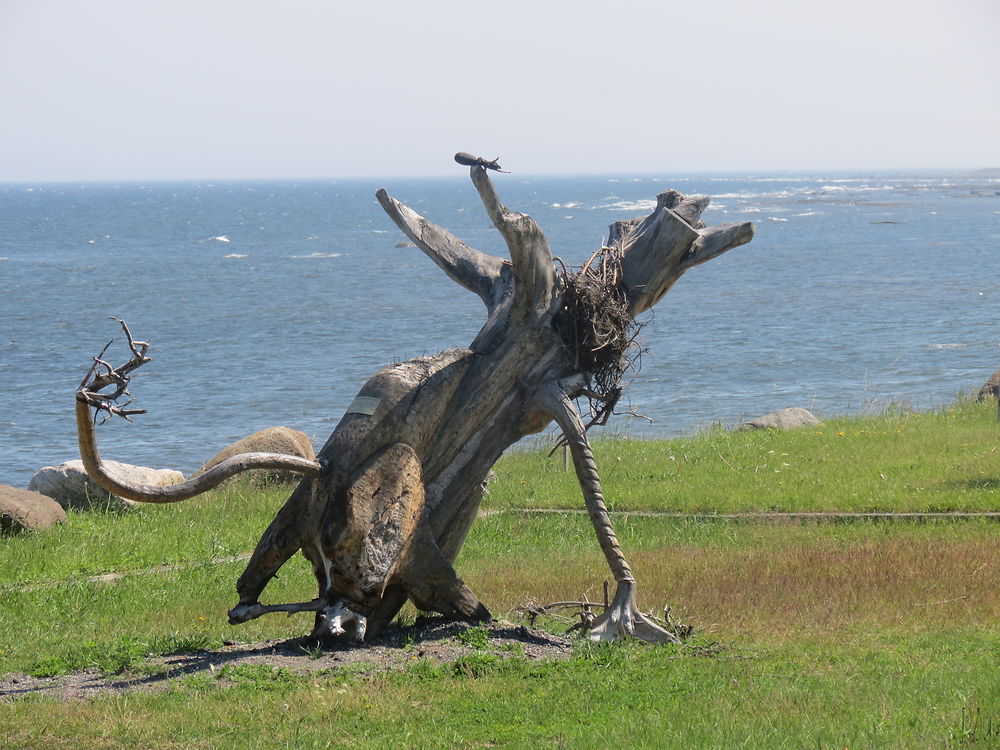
x,y
428,638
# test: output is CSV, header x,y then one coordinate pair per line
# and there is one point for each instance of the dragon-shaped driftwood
x,y
383,511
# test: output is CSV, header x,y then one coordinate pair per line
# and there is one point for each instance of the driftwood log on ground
x,y
384,510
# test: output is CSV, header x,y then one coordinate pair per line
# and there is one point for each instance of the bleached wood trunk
x,y
400,480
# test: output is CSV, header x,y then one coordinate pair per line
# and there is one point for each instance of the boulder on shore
x,y
21,510
783,419
69,485
283,440
989,389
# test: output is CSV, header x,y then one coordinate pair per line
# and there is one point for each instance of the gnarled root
x,y
622,618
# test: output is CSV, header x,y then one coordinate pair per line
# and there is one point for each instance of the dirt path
x,y
767,515
433,638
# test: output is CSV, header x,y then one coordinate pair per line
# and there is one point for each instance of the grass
x,y
947,460
870,634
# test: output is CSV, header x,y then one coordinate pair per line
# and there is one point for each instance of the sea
x,y
270,303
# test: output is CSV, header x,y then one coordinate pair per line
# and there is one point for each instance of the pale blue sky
x,y
211,89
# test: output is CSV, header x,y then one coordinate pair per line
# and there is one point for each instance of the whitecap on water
x,y
642,205
318,255
234,255
221,238
775,218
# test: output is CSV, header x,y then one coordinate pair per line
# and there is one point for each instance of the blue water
x,y
271,303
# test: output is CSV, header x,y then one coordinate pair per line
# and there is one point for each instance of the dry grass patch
x,y
767,581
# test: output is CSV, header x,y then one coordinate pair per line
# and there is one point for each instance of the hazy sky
x,y
148,89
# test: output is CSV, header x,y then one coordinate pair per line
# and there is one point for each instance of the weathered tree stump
x,y
387,505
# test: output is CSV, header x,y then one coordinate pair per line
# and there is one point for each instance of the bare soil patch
x,y
430,638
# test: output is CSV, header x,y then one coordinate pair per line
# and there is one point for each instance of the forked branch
x,y
102,375
534,274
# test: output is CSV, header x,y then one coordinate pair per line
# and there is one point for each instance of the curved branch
x,y
534,273
102,375
173,493
476,271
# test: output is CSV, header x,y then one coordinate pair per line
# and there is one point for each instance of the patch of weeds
x,y
115,657
614,654
423,669
109,658
260,677
975,728
50,666
476,665
477,637
314,650
406,619
511,648
199,681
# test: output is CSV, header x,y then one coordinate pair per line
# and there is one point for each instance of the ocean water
x,y
271,303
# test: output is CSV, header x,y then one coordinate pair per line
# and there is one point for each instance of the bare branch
x,y
476,271
534,272
714,241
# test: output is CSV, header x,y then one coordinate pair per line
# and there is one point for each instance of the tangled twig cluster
x,y
596,326
102,375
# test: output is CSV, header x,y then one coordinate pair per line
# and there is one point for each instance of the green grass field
x,y
834,634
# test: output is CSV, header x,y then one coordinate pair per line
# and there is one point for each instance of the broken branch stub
x,y
384,510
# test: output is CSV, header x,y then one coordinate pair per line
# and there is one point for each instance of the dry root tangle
x,y
582,616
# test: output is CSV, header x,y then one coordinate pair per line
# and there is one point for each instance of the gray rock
x,y
69,485
283,440
989,389
783,419
21,510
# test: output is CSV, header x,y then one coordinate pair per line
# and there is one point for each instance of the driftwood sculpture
x,y
383,512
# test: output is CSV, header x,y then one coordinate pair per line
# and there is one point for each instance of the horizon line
x,y
990,172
